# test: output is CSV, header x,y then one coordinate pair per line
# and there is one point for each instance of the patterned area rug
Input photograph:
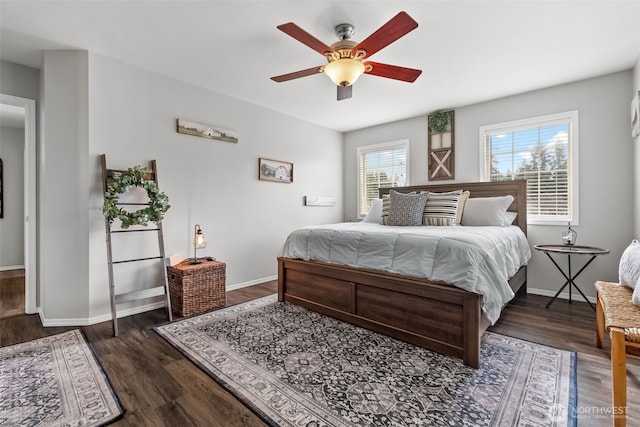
x,y
294,367
55,381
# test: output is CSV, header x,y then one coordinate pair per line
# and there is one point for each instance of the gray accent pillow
x,y
406,209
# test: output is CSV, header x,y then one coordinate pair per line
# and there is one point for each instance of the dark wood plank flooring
x,y
11,293
159,387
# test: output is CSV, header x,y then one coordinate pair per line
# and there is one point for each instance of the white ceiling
x,y
469,51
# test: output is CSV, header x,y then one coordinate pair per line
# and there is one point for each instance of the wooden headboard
x,y
517,189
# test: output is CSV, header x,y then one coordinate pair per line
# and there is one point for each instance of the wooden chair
x,y
616,314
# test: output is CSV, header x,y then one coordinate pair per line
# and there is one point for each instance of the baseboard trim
x,y
575,295
135,310
98,319
12,267
251,283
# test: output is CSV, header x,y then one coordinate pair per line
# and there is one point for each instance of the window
x,y
542,150
380,165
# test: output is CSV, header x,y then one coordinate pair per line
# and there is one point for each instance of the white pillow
x,y
482,211
629,268
508,218
375,212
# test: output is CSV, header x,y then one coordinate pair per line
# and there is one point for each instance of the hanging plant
x,y
123,183
439,121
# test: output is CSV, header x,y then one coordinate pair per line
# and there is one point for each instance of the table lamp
x,y
199,242
569,236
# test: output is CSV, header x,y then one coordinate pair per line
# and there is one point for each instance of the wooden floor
x,y
159,387
11,293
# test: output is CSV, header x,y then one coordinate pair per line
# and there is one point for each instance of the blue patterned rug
x,y
55,381
294,367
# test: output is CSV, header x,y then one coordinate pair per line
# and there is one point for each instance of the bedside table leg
x,y
570,277
570,280
558,293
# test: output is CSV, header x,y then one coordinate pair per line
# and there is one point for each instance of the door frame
x,y
30,199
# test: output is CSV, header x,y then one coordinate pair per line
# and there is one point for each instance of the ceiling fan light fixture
x,y
346,56
345,71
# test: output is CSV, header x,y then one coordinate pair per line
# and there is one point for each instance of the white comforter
x,y
476,259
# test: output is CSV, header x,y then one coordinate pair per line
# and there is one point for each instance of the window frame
x,y
571,118
401,143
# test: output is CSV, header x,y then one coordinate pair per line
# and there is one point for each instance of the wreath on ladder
x,y
122,183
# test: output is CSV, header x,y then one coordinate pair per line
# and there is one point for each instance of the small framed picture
x,y
275,170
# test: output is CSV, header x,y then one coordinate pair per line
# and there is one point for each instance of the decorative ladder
x,y
162,289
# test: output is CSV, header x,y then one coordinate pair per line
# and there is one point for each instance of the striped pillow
x,y
386,204
441,208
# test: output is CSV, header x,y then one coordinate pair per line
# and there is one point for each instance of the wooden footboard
x,y
432,315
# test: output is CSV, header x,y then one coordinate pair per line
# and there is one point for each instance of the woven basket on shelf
x,y
197,288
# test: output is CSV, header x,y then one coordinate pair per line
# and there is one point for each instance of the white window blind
x,y
542,150
380,165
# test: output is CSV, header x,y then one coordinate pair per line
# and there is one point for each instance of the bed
x,y
430,313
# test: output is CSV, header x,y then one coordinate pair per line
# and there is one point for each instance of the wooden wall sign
x,y
206,131
441,145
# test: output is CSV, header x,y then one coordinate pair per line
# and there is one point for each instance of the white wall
x,y
19,80
605,162
412,129
22,81
12,224
131,117
64,187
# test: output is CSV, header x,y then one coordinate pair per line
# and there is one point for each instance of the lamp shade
x,y
569,236
344,72
199,240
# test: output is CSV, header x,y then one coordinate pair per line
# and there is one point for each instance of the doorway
x,y
27,107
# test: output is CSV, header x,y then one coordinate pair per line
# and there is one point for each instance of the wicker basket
x,y
197,288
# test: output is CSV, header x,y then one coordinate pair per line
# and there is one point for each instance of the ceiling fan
x,y
348,60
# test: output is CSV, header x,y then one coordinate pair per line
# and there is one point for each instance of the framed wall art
x,y
441,152
275,170
206,131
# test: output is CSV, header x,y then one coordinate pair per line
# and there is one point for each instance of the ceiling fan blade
x,y
305,38
395,28
392,71
344,92
297,74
